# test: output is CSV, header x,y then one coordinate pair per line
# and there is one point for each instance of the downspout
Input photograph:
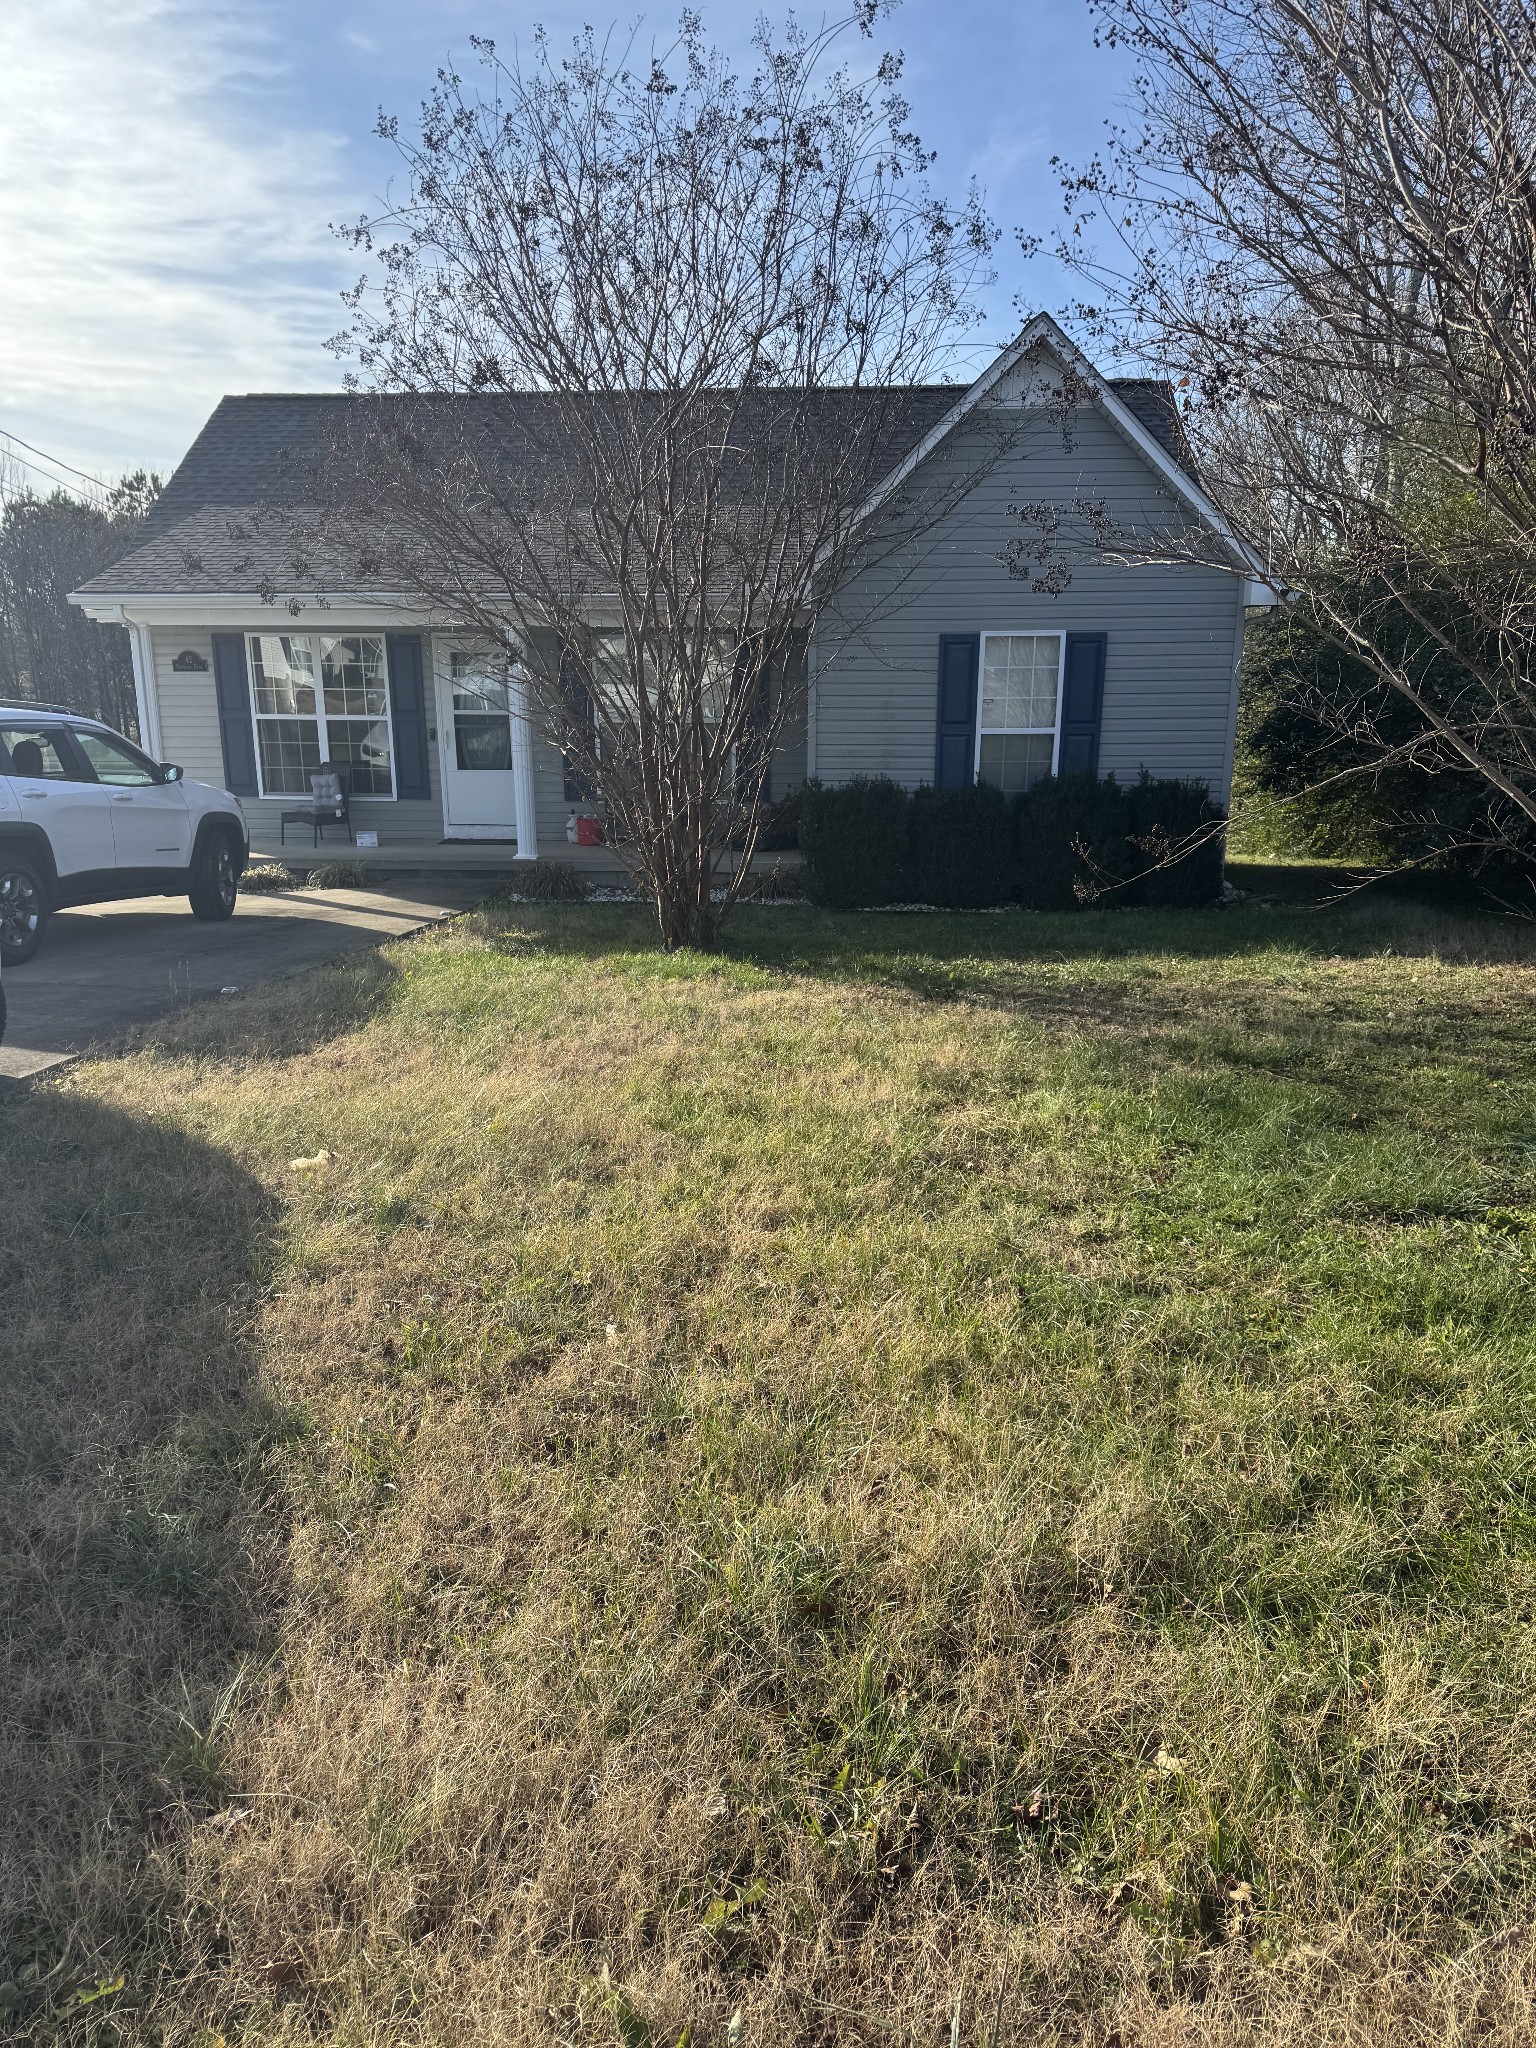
x,y
1252,595
1239,635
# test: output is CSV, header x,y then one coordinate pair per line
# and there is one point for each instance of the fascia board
x,y
191,607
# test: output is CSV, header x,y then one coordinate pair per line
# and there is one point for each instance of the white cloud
x,y
163,239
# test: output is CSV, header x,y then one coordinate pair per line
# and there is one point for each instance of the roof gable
x,y
1142,409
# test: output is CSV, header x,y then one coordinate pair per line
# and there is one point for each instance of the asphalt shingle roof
x,y
231,519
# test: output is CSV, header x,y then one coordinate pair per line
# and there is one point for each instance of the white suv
x,y
85,818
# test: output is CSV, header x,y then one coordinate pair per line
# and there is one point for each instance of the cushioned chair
x,y
327,806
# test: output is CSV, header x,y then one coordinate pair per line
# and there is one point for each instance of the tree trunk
x,y
679,876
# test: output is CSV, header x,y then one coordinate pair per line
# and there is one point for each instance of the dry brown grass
x,y
937,1468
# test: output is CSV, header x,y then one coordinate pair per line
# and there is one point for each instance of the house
x,y
957,669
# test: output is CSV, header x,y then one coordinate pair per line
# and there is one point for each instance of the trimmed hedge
x,y
1070,843
1083,843
853,841
1163,817
1072,849
960,847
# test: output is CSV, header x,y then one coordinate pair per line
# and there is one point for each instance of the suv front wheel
x,y
215,878
23,908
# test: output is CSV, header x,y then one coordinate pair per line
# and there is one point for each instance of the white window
x,y
611,683
482,710
1020,708
321,697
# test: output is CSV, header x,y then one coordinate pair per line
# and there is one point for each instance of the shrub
x,y
779,884
266,877
340,874
1319,730
781,827
1163,816
1072,850
960,847
1082,843
550,881
853,841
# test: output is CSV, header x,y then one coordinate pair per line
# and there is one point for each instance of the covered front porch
x,y
471,856
599,865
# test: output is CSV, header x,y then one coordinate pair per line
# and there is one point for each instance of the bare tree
x,y
48,649
652,333
1321,220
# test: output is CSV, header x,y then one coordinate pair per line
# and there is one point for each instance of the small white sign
x,y
367,838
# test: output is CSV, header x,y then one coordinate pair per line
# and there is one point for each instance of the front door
x,y
475,720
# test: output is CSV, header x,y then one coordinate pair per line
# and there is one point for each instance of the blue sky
x,y
169,168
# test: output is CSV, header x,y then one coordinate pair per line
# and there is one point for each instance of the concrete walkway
x,y
104,970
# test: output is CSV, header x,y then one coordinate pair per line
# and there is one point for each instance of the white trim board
x,y
198,611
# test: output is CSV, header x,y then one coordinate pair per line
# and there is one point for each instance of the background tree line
x,y
49,650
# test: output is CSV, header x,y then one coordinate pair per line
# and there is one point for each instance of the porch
x,y
598,864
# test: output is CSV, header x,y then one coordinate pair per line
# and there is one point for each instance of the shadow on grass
x,y
905,946
131,1442
1318,994
284,1017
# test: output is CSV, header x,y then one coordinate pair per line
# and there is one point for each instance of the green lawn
x,y
931,1479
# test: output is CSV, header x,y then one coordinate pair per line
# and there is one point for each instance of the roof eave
x,y
200,607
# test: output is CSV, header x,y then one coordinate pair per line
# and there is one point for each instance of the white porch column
x,y
146,698
522,772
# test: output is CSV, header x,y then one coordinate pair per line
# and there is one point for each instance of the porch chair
x,y
328,805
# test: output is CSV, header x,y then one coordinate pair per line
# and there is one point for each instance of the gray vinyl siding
x,y
189,716
1173,634
550,809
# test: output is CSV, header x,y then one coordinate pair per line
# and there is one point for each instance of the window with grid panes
x,y
321,697
1016,722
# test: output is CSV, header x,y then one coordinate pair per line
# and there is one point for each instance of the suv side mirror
x,y
169,772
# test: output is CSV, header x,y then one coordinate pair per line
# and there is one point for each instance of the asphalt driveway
x,y
103,970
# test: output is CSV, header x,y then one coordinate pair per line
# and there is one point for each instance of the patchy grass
x,y
933,1479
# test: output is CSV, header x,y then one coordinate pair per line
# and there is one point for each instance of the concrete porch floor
x,y
462,856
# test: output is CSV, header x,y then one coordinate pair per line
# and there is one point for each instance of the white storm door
x,y
478,743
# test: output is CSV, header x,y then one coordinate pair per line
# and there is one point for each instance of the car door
x,y
150,820
56,790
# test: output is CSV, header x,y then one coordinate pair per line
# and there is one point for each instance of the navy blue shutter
x,y
954,765
1082,704
233,693
408,703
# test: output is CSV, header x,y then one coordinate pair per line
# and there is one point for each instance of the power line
x,y
57,460
37,469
